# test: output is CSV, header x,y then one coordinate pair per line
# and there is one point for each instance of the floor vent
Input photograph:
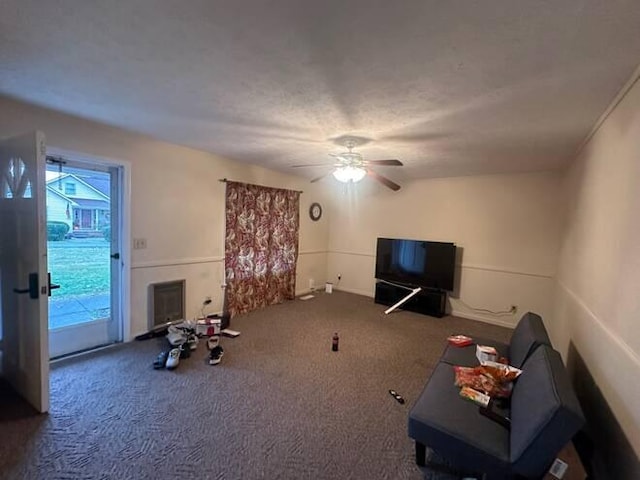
x,y
166,302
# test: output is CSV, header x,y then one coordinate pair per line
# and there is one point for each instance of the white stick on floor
x,y
392,308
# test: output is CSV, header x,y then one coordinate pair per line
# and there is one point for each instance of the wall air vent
x,y
166,303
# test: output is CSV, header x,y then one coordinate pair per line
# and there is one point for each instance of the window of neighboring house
x,y
69,188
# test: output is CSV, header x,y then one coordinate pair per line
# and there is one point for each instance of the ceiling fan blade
x,y
389,163
383,180
317,179
312,165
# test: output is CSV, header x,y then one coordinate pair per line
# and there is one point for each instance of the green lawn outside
x,y
80,265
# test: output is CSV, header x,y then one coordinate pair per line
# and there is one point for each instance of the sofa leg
x,y
421,454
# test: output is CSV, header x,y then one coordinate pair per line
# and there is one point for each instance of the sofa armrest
x,y
545,413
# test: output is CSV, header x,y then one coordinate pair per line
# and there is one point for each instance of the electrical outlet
x,y
139,243
339,277
514,309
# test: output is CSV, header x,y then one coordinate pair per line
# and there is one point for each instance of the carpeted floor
x,y
280,405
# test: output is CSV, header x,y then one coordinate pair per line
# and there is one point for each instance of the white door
x,y
84,199
23,268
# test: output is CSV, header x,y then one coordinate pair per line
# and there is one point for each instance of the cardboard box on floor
x,y
575,470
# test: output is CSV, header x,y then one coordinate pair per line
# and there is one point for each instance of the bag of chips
x,y
496,379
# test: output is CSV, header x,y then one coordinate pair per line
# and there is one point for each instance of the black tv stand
x,y
427,301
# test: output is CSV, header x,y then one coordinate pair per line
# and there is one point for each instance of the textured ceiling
x,y
448,87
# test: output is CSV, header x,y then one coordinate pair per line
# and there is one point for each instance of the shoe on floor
x,y
213,342
185,351
174,358
175,329
185,325
192,341
216,355
161,360
176,338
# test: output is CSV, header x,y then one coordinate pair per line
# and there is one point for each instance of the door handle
x,y
52,286
33,287
115,256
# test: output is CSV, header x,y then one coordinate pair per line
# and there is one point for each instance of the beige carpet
x,y
280,405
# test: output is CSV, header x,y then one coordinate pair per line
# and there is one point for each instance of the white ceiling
x,y
449,87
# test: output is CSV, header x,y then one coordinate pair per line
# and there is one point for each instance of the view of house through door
x,y
83,241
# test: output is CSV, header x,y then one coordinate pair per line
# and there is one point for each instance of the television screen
x,y
416,262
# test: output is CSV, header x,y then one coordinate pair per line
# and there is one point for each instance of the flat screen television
x,y
416,262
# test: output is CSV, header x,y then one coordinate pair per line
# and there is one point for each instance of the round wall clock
x,y
315,211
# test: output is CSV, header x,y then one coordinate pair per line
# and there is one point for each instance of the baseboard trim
x,y
480,318
456,313
357,291
83,353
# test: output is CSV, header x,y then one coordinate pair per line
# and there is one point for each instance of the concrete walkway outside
x,y
78,309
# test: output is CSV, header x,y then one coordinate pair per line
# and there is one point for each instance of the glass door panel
x,y
79,212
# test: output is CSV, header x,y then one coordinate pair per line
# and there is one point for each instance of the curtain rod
x,y
225,180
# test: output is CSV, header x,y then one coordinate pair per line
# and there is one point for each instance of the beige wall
x,y
177,204
507,228
598,284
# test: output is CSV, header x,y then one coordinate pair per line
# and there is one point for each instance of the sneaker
x,y
186,325
213,342
161,360
192,341
174,329
216,355
185,351
174,359
176,337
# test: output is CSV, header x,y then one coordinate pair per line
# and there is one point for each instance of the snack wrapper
x,y
485,353
494,380
475,396
459,340
501,372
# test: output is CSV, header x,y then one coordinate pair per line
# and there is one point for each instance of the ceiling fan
x,y
351,166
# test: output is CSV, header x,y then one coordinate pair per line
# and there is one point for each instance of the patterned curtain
x,y
261,246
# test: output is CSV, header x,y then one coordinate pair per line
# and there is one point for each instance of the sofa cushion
x,y
528,335
454,427
545,413
466,356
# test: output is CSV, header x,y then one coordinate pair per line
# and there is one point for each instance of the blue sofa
x,y
543,415
528,335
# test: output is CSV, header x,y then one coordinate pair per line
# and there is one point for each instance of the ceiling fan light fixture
x,y
349,173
